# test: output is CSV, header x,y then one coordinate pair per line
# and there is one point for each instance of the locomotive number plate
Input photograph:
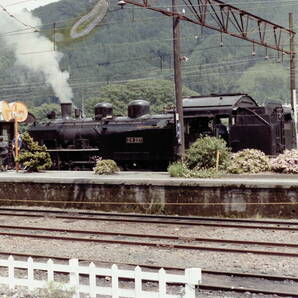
x,y
134,140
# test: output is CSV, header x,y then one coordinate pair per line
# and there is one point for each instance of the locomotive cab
x,y
269,129
212,115
240,122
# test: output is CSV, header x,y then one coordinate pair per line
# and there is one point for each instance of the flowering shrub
x,y
248,161
202,153
286,162
105,166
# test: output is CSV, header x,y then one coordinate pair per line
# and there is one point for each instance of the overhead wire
x,y
224,63
16,18
96,84
74,18
201,67
115,81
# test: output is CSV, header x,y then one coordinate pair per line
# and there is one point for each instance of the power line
x,y
142,19
17,19
205,66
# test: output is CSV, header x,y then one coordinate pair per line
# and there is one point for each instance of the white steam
x,y
35,51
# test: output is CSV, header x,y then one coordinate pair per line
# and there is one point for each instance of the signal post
x,y
18,112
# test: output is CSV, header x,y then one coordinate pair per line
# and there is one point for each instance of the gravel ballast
x,y
157,256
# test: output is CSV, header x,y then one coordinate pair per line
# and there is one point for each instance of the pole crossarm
x,y
228,19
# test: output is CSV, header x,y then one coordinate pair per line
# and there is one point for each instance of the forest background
x,y
129,56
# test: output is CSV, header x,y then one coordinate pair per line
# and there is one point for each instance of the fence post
x,y
92,280
162,283
193,278
115,282
11,281
138,282
74,279
50,266
30,272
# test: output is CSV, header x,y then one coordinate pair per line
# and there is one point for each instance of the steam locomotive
x,y
144,141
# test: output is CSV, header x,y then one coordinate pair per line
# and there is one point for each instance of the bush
x,y
105,166
248,161
286,162
180,169
33,156
202,153
56,290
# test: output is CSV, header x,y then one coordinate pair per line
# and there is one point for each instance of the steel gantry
x,y
227,19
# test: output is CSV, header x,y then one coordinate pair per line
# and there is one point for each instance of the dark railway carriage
x,y
145,141
269,128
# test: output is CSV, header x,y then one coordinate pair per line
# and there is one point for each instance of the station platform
x,y
259,195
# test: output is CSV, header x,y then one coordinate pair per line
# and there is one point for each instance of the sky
x,y
17,5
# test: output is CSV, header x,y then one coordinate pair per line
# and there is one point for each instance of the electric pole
x,y
226,19
178,80
293,70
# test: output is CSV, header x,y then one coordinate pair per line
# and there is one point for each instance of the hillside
x,y
134,43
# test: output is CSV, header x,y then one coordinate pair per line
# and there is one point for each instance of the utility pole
x,y
54,36
178,80
293,70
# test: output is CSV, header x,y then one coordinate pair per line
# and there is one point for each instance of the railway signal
x,y
18,112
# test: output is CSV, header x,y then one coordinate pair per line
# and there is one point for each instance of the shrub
x,y
286,162
56,290
248,161
105,166
180,169
33,156
202,153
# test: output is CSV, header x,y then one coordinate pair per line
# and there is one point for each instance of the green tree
x,y
40,112
159,93
266,82
33,156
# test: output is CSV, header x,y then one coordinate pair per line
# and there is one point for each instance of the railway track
x,y
212,280
215,281
158,241
155,219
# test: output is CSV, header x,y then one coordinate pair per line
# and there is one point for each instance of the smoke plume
x,y
35,51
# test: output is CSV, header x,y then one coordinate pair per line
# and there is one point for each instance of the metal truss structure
x,y
228,19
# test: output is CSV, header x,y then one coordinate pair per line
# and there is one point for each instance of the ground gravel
x,y
157,256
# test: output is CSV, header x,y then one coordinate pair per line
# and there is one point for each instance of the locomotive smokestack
x,y
66,110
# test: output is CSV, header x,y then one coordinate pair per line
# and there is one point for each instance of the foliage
x,y
286,162
202,153
40,112
105,166
33,156
56,290
123,48
180,169
158,92
200,159
248,161
265,82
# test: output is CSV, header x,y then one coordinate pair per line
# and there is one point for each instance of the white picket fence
x,y
190,279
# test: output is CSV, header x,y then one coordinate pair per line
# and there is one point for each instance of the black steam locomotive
x,y
144,141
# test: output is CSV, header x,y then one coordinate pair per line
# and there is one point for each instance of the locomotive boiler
x,y
141,140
